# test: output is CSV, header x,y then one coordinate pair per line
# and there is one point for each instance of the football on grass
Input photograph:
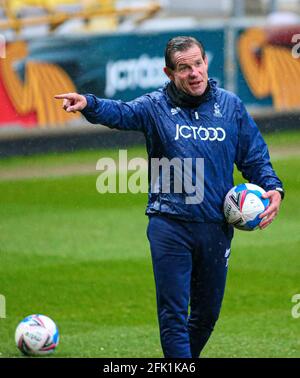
x,y
37,335
243,204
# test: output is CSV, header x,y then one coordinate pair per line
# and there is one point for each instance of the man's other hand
x,y
272,210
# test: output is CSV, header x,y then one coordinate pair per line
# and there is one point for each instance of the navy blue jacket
x,y
220,131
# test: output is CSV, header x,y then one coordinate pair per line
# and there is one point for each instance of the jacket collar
x,y
182,100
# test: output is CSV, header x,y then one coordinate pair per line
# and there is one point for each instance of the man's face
x,y
190,72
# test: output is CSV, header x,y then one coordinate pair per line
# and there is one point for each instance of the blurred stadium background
x,y
82,258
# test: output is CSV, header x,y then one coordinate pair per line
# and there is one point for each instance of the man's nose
x,y
194,71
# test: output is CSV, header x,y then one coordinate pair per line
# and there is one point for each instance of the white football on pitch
x,y
37,335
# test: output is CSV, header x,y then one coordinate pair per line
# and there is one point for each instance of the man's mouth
x,y
195,83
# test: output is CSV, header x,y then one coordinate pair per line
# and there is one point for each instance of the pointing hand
x,y
72,102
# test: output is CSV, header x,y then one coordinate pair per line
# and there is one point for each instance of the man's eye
x,y
183,68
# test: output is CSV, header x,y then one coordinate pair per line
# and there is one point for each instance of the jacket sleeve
x,y
133,115
252,157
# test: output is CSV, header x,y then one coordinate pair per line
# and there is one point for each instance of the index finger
x,y
68,96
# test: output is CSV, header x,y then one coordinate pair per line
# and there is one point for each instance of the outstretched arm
x,y
133,115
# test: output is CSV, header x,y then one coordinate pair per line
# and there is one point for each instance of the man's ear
x,y
169,73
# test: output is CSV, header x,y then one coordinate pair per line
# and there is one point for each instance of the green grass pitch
x,y
83,259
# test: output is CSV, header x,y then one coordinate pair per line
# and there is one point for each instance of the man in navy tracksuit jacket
x,y
190,118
